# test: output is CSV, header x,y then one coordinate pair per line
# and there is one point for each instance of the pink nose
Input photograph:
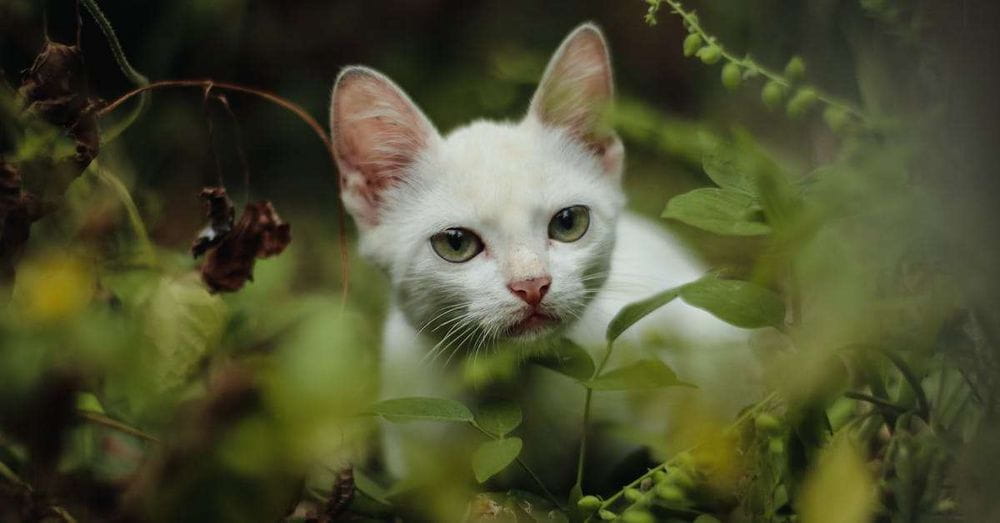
x,y
531,290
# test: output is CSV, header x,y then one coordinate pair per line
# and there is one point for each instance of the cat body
x,y
502,233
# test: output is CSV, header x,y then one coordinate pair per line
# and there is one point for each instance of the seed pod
x,y
800,104
632,495
588,504
772,94
766,423
710,54
836,118
732,76
691,44
637,516
607,515
795,70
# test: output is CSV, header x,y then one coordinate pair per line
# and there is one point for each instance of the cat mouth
x,y
533,323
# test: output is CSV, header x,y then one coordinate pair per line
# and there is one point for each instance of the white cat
x,y
506,231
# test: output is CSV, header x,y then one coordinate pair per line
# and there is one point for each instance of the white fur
x,y
505,181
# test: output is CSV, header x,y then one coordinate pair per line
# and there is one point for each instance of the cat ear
x,y
576,93
378,133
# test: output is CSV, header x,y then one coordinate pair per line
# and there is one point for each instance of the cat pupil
x,y
566,219
455,240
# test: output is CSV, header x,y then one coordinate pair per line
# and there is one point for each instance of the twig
x,y
281,102
879,402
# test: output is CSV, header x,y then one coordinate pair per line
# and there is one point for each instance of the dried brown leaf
x,y
260,233
221,214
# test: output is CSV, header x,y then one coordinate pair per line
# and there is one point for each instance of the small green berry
x,y
801,102
732,75
588,504
796,68
710,54
607,515
836,118
637,516
766,423
691,44
772,94
776,446
632,495
659,476
669,493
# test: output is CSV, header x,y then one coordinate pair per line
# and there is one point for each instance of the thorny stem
x,y
133,76
552,499
752,65
281,102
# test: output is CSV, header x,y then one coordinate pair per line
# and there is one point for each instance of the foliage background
x,y
277,365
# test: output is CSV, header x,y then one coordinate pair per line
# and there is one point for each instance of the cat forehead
x,y
487,156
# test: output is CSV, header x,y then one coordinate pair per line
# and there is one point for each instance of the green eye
x,y
456,245
570,224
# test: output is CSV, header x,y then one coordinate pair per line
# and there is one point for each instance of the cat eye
x,y
456,245
570,224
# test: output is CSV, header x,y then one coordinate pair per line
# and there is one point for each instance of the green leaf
x,y
493,456
499,417
721,211
369,487
736,302
636,311
429,409
722,164
643,374
568,359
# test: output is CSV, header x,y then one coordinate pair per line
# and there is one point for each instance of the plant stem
x,y
911,379
105,421
283,103
752,65
133,76
148,255
879,402
586,415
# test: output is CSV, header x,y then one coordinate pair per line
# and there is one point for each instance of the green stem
x,y
586,416
879,402
552,499
133,76
147,254
105,421
922,404
752,65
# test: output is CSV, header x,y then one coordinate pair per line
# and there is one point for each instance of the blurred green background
x,y
229,401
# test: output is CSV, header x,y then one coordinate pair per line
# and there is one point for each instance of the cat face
x,y
497,230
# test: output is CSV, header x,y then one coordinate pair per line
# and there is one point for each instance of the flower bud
x,y
588,504
776,446
710,54
766,423
836,118
669,493
632,494
772,94
801,102
637,516
732,76
691,44
796,68
607,515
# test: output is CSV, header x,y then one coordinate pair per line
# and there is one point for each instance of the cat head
x,y
497,230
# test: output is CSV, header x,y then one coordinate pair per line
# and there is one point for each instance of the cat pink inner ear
x,y
378,133
577,89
